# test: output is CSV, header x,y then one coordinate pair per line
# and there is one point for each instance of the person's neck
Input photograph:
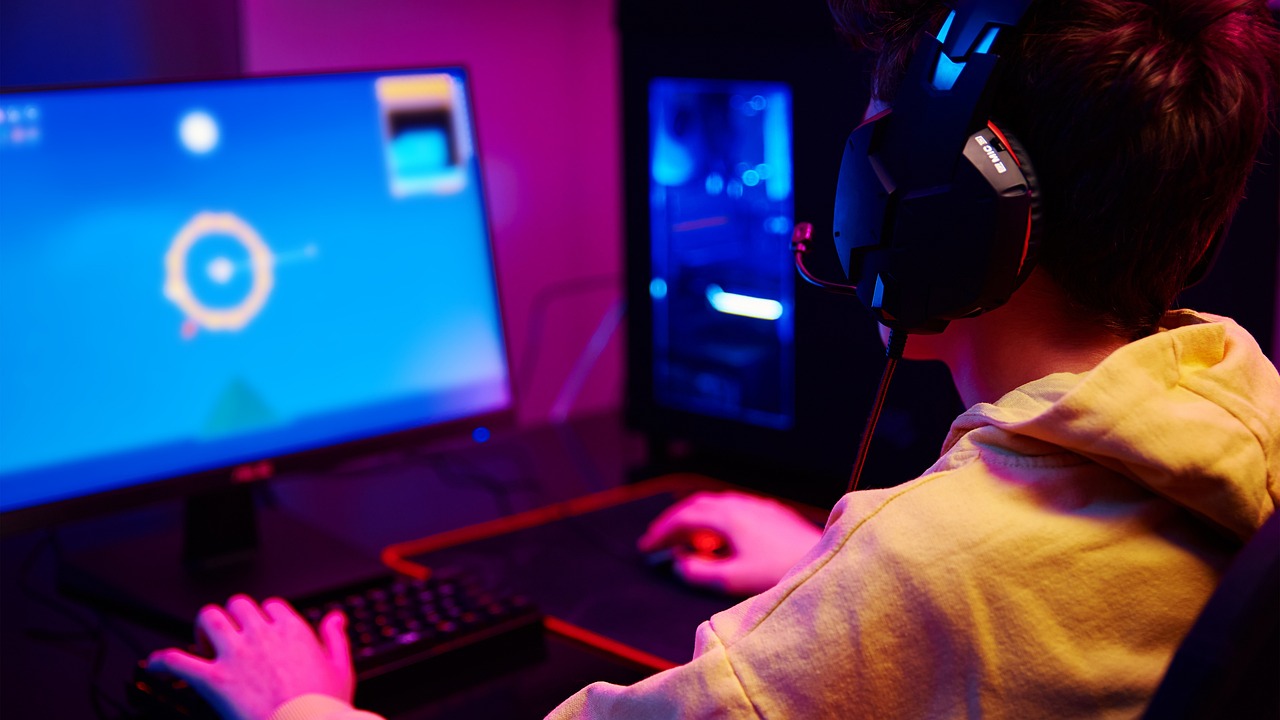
x,y
1035,334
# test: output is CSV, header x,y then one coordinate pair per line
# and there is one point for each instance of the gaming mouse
x,y
703,542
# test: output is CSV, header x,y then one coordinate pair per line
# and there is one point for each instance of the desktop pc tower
x,y
734,118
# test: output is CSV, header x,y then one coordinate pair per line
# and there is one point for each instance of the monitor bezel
x,y
314,460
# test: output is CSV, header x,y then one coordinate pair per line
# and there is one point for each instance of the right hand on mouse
x,y
763,539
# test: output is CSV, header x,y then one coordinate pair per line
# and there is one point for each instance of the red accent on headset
x,y
1004,140
1026,245
1026,240
873,118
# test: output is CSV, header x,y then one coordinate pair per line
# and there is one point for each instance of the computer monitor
x,y
205,284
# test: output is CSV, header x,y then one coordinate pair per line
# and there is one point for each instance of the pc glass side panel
x,y
721,209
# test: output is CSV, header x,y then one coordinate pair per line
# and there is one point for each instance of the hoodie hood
x,y
1191,412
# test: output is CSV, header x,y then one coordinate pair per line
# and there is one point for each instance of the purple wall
x,y
53,42
545,83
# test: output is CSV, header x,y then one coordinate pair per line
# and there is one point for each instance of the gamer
x,y
1114,454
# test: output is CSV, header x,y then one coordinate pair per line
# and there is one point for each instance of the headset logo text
x,y
991,153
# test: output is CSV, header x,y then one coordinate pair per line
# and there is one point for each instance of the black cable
x,y
93,630
538,310
893,353
456,470
29,588
98,697
800,238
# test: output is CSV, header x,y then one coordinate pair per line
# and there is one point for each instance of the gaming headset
x,y
937,208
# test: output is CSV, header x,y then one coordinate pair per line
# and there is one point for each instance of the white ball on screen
x,y
199,132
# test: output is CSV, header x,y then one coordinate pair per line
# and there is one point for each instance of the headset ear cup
x,y
1035,219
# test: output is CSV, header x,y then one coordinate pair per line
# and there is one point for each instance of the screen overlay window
x,y
721,209
202,274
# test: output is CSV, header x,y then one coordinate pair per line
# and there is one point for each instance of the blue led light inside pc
x,y
721,211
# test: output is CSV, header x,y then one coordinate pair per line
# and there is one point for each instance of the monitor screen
x,y
202,275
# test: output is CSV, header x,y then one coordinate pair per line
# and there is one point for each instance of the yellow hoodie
x,y
1046,566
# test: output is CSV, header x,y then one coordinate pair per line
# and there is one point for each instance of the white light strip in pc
x,y
744,305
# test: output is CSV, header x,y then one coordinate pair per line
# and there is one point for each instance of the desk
x,y
61,659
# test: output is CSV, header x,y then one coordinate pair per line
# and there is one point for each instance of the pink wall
x,y
545,89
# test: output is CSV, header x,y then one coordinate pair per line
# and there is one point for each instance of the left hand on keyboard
x,y
264,656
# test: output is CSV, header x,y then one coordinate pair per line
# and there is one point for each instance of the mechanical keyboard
x,y
434,632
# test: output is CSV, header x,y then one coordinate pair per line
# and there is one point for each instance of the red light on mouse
x,y
706,542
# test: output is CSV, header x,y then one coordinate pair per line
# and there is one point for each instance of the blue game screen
x,y
198,275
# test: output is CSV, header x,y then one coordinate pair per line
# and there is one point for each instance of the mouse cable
x,y
893,353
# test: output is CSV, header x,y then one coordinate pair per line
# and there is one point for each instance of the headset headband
x,y
936,206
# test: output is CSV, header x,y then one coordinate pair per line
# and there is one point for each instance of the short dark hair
x,y
1143,118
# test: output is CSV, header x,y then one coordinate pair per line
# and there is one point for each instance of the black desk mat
x,y
583,568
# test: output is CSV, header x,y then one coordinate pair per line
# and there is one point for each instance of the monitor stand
x,y
227,545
